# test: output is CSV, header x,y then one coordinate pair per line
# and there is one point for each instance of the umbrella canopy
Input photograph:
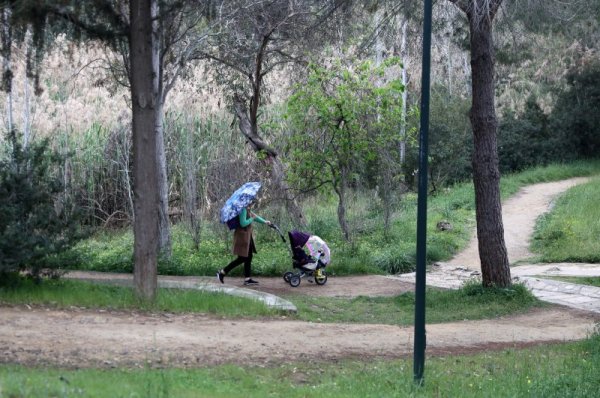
x,y
240,199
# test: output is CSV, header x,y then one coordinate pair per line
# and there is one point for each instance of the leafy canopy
x,y
342,117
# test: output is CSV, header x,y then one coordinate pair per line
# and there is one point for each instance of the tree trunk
x,y
404,58
164,225
486,174
26,95
340,190
145,107
26,113
7,74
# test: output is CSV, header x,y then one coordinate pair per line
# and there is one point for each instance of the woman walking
x,y
243,246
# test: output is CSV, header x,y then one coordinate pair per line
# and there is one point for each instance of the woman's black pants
x,y
247,261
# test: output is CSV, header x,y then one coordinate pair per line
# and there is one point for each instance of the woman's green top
x,y
245,220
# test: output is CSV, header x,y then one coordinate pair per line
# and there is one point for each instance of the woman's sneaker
x,y
250,282
221,277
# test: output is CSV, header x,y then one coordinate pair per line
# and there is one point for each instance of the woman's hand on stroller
x,y
276,228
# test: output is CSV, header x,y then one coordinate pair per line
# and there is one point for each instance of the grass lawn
x,y
562,370
470,302
569,233
65,293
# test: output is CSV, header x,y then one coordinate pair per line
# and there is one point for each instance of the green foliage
x,y
579,280
372,252
576,112
528,141
450,141
571,131
394,260
342,117
344,123
554,172
36,218
470,302
473,301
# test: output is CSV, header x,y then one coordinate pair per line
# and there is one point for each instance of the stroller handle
x,y
276,228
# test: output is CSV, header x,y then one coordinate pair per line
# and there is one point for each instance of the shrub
x,y
450,141
576,113
36,219
526,140
394,261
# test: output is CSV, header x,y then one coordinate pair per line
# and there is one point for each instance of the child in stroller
x,y
310,265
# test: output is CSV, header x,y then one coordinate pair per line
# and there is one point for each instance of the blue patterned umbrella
x,y
240,199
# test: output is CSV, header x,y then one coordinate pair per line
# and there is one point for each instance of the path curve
x,y
519,214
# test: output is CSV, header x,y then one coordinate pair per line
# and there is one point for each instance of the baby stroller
x,y
311,265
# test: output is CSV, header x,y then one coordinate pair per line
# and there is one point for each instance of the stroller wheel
x,y
295,280
287,276
321,278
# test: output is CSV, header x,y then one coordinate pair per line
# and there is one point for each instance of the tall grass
x,y
562,370
571,232
371,251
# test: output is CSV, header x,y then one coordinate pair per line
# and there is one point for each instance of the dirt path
x,y
82,337
519,214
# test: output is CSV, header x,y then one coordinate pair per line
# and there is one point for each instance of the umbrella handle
x,y
276,228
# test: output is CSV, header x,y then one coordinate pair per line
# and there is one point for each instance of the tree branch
x,y
246,128
99,31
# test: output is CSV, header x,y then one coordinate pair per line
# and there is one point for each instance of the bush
x,y
517,291
526,141
394,261
36,219
576,114
450,141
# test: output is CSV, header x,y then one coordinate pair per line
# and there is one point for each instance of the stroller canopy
x,y
312,243
297,238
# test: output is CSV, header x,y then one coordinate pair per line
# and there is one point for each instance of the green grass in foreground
x,y
563,370
569,233
470,302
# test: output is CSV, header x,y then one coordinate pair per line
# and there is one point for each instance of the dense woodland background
x,y
362,59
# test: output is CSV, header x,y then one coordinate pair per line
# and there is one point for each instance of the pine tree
x,y
36,219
